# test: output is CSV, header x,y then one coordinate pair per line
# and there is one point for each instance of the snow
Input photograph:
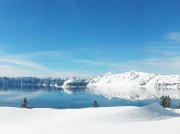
x,y
108,120
66,83
136,79
129,85
135,85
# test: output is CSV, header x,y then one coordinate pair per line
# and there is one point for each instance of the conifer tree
x,y
165,101
95,104
25,103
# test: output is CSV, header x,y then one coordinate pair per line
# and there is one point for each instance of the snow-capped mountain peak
x,y
138,79
136,84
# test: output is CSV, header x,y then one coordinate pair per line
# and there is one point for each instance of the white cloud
x,y
21,62
100,63
175,36
166,65
22,65
44,54
14,71
162,52
7,70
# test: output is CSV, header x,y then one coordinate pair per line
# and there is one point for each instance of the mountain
x,y
121,81
129,85
44,82
135,85
75,83
135,79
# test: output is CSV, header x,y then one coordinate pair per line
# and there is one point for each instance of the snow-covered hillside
x,y
126,80
136,80
46,82
134,85
129,85
152,119
75,83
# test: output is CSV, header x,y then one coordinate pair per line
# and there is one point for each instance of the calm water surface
x,y
39,97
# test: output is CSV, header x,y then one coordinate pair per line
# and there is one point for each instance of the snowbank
x,y
109,120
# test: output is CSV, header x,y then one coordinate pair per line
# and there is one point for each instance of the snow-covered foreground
x,y
152,119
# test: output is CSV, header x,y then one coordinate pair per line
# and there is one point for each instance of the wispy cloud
x,y
24,65
18,71
14,71
175,36
21,62
37,64
112,65
159,65
165,65
44,54
162,52
25,60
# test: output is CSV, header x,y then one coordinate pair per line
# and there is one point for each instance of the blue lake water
x,y
59,98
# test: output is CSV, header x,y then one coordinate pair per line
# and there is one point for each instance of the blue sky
x,y
61,38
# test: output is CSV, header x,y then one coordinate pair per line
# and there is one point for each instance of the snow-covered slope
x,y
152,119
126,80
44,82
75,82
130,85
136,80
135,85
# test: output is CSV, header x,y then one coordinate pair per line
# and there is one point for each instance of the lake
x,y
49,97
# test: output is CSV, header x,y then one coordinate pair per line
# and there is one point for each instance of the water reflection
x,y
29,88
53,97
135,93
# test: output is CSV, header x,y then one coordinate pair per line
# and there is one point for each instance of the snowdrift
x,y
130,114
108,120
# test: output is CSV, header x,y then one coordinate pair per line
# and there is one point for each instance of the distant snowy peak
x,y
127,80
135,85
135,79
75,83
107,74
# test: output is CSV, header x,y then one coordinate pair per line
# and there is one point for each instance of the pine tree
x,y
165,101
25,103
95,104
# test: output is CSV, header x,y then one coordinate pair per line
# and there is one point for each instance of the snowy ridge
x,y
75,83
125,80
136,80
129,85
46,82
135,85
